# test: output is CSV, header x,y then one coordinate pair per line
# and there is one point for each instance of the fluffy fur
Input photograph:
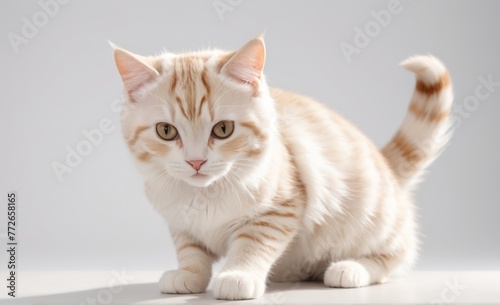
x,y
295,193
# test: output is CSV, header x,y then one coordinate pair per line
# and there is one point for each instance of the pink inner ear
x,y
247,64
134,71
245,73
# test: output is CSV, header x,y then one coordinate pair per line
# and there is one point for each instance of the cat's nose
x,y
196,164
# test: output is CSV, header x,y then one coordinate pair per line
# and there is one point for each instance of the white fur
x,y
355,212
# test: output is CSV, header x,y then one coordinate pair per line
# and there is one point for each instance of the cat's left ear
x,y
135,70
247,64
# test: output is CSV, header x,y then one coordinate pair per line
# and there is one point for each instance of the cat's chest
x,y
209,215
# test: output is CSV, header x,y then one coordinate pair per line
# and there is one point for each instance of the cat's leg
x,y
361,272
195,267
253,250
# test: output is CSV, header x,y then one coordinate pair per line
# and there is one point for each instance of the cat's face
x,y
198,117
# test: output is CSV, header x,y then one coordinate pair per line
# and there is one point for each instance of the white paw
x,y
347,274
183,281
238,285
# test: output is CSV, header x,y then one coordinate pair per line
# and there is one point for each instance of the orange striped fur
x,y
293,191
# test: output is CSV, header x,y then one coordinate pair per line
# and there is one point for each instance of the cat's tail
x,y
426,128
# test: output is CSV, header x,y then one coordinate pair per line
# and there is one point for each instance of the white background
x,y
63,81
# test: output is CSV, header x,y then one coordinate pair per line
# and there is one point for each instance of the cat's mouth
x,y
199,175
200,180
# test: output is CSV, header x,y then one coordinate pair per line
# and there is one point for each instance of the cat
x,y
279,184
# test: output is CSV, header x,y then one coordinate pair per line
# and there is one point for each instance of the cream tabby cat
x,y
282,186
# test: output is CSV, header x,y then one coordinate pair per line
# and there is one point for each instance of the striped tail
x,y
426,128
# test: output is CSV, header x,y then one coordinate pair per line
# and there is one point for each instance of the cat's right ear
x,y
135,70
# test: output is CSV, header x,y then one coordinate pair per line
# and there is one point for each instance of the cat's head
x,y
198,117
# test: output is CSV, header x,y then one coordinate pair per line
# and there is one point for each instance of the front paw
x,y
183,281
238,285
347,274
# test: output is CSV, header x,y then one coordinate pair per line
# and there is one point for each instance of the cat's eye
x,y
166,131
223,129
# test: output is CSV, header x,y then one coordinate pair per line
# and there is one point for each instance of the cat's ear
x,y
247,64
135,70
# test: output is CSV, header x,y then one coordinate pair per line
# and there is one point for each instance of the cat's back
x,y
303,116
332,155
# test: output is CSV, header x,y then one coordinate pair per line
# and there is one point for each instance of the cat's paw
x,y
347,274
183,281
238,285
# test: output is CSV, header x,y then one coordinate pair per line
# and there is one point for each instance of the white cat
x,y
280,184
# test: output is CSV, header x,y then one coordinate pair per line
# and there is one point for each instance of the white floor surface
x,y
117,287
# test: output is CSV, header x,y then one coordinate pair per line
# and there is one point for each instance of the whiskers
x,y
217,168
178,169
246,165
158,180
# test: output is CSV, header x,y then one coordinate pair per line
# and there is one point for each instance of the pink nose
x,y
196,164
